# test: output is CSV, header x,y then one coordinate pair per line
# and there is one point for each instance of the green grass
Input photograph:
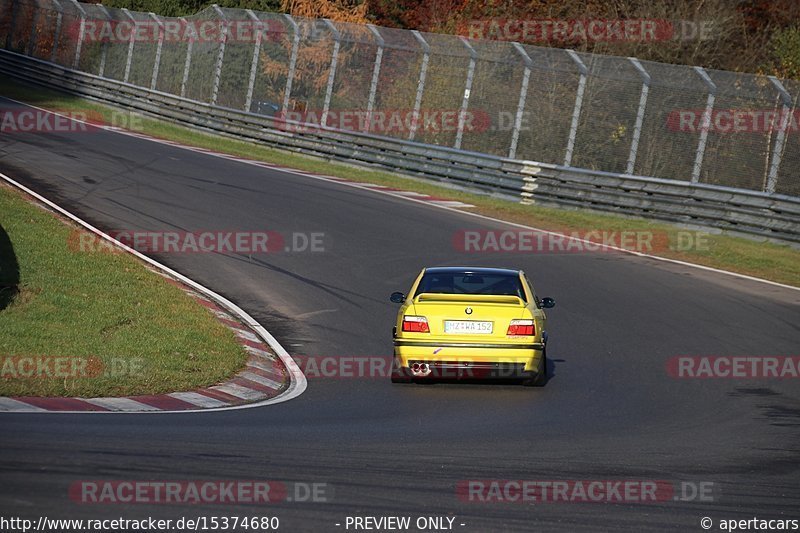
x,y
767,260
141,335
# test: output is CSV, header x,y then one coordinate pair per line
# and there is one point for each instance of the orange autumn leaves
x,y
315,54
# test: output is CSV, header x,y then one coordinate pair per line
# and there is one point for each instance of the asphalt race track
x,y
609,412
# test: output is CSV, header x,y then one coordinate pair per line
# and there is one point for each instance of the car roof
x,y
471,270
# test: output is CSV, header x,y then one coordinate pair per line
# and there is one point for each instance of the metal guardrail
x,y
756,213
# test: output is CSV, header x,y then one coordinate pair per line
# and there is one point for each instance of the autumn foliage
x,y
335,10
747,35
314,56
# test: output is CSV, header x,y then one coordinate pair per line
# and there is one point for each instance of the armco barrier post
x,y
188,62
637,128
32,38
131,44
79,44
523,95
337,42
220,55
780,138
104,47
423,71
705,124
57,32
13,24
159,48
757,212
376,70
576,111
462,114
259,26
287,92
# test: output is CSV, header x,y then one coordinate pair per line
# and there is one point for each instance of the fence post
x,y
523,95
331,71
32,39
220,55
462,113
259,27
57,34
159,48
376,71
104,47
79,45
188,63
777,150
131,43
576,112
706,123
10,34
423,71
292,63
637,128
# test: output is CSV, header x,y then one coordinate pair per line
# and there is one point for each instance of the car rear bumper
x,y
466,360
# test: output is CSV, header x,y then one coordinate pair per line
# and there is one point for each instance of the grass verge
x,y
766,260
96,324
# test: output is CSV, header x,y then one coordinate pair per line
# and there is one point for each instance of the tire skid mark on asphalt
x,y
455,205
383,188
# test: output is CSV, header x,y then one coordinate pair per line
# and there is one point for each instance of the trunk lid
x,y
470,317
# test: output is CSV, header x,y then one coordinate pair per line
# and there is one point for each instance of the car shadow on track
x,y
9,270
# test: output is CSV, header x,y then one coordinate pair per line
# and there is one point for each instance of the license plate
x,y
468,326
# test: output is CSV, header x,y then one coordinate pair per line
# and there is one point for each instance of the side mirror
x,y
547,303
397,297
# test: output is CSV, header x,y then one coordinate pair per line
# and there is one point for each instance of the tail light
x,y
416,324
521,327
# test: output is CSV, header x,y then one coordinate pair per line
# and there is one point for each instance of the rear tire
x,y
540,380
400,375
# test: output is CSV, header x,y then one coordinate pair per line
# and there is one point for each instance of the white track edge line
x,y
493,219
297,380
389,193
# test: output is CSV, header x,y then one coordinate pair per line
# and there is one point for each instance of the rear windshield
x,y
471,283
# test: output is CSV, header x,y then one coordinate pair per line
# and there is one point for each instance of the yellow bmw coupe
x,y
464,322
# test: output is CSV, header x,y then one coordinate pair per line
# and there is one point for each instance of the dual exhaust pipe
x,y
420,370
